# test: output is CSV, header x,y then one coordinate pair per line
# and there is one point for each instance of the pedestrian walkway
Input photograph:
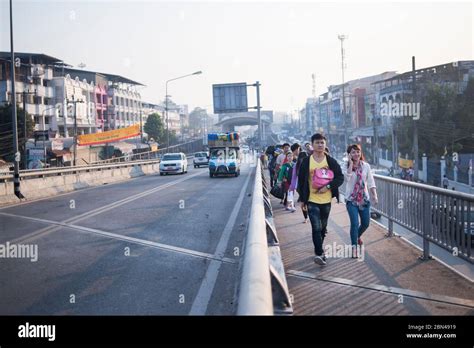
x,y
390,279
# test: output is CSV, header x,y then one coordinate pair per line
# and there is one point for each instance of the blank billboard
x,y
230,97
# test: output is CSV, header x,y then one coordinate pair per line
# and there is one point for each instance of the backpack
x,y
272,164
322,177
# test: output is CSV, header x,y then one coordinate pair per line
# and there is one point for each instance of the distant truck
x,y
224,154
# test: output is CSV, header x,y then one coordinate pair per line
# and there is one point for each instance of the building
x,y
33,85
114,101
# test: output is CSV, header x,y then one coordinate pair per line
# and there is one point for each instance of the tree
x,y
445,122
197,117
155,128
6,131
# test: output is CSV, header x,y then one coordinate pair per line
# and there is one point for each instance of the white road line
x,y
133,240
44,231
201,301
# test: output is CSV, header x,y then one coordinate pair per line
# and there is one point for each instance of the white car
x,y
174,163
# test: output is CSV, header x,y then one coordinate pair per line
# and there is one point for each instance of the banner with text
x,y
109,136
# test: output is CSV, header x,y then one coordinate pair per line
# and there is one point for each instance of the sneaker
x,y
292,209
354,252
324,258
305,221
319,260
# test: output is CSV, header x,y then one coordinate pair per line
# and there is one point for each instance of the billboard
x,y
230,97
109,136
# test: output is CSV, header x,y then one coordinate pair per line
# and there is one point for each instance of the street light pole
x,y
16,165
166,101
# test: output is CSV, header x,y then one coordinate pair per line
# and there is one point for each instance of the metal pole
x,y
64,104
259,116
415,126
141,128
16,168
24,129
342,37
75,131
44,137
166,112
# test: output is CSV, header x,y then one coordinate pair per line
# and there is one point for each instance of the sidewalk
x,y
390,280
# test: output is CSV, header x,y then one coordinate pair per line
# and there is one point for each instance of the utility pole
x,y
141,127
258,115
415,124
342,38
75,127
25,138
375,139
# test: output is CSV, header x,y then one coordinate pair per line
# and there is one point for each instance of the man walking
x,y
317,200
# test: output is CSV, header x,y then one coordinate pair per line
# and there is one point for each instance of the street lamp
x,y
166,102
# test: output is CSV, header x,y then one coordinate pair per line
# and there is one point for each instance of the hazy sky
x,y
279,44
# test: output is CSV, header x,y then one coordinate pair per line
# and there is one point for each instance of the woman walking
x,y
318,181
360,181
284,179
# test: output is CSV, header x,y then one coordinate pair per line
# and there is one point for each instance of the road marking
x,y
47,230
386,289
201,301
167,247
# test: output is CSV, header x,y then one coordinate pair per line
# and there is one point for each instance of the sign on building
x,y
230,98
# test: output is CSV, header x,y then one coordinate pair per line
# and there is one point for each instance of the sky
x,y
280,44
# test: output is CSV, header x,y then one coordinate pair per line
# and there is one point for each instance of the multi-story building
x,y
125,105
98,96
77,98
33,86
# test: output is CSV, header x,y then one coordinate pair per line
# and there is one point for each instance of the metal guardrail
x,y
263,287
27,174
439,216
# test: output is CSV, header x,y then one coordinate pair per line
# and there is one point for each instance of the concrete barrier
x,y
34,188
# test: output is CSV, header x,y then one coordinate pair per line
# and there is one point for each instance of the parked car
x,y
174,163
200,159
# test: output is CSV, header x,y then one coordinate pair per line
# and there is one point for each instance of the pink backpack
x,y
322,177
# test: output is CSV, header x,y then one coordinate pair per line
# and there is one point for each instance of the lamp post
x,y
166,102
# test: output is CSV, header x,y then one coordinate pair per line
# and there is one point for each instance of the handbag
x,y
322,177
277,191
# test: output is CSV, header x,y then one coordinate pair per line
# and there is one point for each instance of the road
x,y
154,245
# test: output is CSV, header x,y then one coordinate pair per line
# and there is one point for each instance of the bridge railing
x,y
439,216
263,287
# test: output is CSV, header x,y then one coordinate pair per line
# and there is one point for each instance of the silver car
x,y
200,159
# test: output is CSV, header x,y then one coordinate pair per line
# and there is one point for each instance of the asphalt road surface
x,y
154,245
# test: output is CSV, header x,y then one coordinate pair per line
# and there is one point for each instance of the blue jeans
x,y
354,214
318,216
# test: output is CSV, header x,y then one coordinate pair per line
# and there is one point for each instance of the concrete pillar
x,y
470,176
443,168
424,172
